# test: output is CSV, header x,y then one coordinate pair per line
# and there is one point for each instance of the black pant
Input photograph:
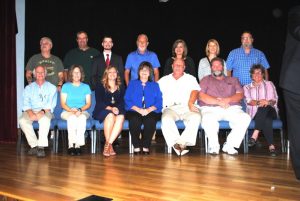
x,y
135,121
263,121
292,105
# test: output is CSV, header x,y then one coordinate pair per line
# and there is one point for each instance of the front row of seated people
x,y
174,97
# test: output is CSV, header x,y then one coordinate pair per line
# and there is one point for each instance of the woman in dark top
x,y
179,50
143,104
110,107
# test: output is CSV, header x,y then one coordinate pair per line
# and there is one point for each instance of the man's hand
x,y
193,108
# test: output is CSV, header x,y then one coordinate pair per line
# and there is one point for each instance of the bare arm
x,y
193,98
229,73
126,76
156,74
28,75
266,74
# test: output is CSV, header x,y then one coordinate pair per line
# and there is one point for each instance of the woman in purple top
x,y
261,98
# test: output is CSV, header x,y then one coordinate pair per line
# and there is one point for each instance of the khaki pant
x,y
44,126
76,127
169,129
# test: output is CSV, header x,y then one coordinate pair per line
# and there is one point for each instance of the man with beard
x,y
107,58
220,98
83,55
241,59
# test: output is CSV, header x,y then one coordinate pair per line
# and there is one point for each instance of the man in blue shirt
x,y
39,101
241,59
135,58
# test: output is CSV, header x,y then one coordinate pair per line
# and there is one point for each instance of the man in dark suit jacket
x,y
290,83
107,58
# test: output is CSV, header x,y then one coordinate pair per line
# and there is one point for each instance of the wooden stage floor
x,y
159,176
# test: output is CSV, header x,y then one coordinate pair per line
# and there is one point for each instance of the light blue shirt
x,y
241,63
37,97
76,95
134,59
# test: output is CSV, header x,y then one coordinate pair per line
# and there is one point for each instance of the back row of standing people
x,y
238,63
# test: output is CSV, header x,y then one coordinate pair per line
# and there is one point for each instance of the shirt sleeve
x,y
129,103
229,61
26,98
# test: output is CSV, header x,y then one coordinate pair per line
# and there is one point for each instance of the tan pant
x,y
169,129
76,127
44,126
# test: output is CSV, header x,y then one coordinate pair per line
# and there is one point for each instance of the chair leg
x,y
19,141
245,141
130,143
283,148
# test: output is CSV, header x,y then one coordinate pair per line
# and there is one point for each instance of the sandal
x,y
106,149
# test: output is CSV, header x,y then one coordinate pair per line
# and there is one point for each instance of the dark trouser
x,y
292,105
135,121
263,121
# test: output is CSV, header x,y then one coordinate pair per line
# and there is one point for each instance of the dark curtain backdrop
x,y
162,22
8,103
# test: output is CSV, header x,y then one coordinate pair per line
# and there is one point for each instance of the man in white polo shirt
x,y
180,91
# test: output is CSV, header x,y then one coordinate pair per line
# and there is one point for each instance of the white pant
x,y
44,126
238,121
169,129
76,127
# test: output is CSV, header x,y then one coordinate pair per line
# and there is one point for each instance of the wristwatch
x,y
79,109
43,111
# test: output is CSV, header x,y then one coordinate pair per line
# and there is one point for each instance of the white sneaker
x,y
176,151
184,152
229,149
214,150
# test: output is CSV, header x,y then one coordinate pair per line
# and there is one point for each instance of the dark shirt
x,y
189,66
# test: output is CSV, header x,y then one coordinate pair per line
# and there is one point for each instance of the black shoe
x,y
72,151
251,142
40,152
272,152
78,151
32,151
116,143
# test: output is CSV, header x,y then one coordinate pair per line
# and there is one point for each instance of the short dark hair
x,y
257,67
146,64
217,59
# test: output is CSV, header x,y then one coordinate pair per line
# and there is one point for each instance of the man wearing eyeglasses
x,y
39,100
241,59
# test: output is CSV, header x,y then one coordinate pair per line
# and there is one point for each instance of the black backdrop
x,y
162,22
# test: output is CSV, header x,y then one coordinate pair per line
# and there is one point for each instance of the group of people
x,y
137,93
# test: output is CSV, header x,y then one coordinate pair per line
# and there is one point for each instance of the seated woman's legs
x,y
135,122
149,122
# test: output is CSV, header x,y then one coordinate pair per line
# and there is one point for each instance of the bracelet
x,y
43,111
79,109
257,102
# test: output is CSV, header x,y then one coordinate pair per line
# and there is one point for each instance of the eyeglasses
x,y
257,73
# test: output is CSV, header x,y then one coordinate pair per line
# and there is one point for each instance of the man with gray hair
x,y
39,100
53,64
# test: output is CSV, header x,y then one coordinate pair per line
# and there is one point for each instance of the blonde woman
x,y
212,50
75,100
110,107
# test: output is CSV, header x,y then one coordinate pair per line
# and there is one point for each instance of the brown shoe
x,y
111,150
106,149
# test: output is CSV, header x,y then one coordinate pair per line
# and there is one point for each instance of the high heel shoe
x,y
111,150
137,151
106,149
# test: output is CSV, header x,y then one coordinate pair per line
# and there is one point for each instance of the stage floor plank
x,y
159,176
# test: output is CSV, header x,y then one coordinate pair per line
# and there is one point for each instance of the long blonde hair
x,y
105,78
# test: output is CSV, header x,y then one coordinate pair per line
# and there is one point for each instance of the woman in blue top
x,y
110,107
75,100
143,104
